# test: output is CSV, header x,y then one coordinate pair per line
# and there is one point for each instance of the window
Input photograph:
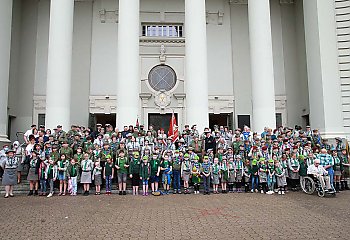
x,y
149,30
162,77
243,120
278,120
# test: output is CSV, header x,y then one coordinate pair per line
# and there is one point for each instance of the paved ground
x,y
230,216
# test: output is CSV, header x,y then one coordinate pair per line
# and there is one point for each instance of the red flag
x,y
173,129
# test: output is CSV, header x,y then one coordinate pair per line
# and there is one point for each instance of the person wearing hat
x,y
145,170
28,133
326,161
66,150
271,178
105,151
294,167
76,142
33,175
150,138
134,172
155,171
99,140
9,178
337,167
197,146
344,157
186,172
280,178
254,173
108,174
73,130
195,174
61,135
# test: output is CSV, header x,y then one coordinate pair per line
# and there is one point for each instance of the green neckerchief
x,y
216,169
154,163
33,163
284,164
271,167
224,167
85,165
238,164
278,171
73,170
187,165
42,172
49,170
336,160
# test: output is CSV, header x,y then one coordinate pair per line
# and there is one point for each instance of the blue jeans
x,y
331,176
206,183
176,179
271,181
108,183
43,185
255,182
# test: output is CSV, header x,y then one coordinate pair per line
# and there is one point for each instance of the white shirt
x,y
312,169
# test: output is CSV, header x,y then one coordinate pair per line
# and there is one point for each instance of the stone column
x,y
196,71
59,64
263,86
128,81
322,67
5,48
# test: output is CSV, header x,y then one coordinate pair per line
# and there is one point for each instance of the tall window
x,y
149,30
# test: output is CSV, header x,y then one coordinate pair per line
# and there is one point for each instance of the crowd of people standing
x,y
234,160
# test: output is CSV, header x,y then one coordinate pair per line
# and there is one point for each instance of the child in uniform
x,y
263,175
177,172
216,175
97,177
121,165
239,172
108,174
166,177
280,177
86,167
246,175
145,171
186,171
195,171
134,171
271,180
33,176
62,167
42,177
206,172
254,173
155,169
72,174
231,178
294,167
224,174
51,173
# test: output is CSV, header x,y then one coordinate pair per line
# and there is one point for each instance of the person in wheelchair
x,y
320,174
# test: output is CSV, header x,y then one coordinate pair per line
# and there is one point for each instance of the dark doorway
x,y
243,120
306,120
102,119
222,119
160,120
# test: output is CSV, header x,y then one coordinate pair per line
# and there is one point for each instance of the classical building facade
x,y
227,62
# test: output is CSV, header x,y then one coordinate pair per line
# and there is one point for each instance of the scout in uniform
x,y
108,174
195,172
9,178
216,175
97,177
122,164
246,175
72,175
338,168
88,143
206,172
155,170
263,175
42,177
346,172
231,178
145,170
186,171
134,171
62,165
66,150
271,179
224,174
238,173
254,173
51,173
33,176
294,166
106,151
280,177
20,155
166,167
86,168
177,172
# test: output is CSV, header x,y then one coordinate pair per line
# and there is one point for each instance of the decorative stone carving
x,y
162,56
280,102
108,16
180,97
144,98
162,99
215,17
102,104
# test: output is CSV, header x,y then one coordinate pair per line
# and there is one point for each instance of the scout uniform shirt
x,y
177,164
72,170
145,171
134,167
104,153
205,167
67,151
108,169
154,166
195,172
121,162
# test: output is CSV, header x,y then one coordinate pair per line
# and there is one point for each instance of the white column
x,y
5,48
196,71
59,64
322,67
263,86
128,82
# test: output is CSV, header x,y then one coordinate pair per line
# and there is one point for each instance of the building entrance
x,y
102,119
160,120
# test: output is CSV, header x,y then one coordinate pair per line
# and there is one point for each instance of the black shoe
x,y
30,193
87,193
124,192
120,193
36,193
208,193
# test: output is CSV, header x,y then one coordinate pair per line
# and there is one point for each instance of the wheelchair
x,y
309,184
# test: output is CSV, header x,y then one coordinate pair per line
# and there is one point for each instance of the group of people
x,y
235,160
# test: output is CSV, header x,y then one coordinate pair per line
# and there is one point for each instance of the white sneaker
x,y
252,191
282,192
50,195
279,193
262,191
269,193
